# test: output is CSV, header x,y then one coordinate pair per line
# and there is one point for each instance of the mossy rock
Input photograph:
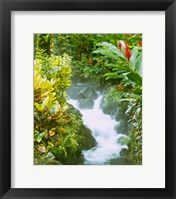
x,y
118,161
122,127
74,111
86,103
86,140
73,92
108,107
89,93
124,152
82,91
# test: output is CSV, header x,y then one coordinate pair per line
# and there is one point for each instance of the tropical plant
x,y
123,70
58,128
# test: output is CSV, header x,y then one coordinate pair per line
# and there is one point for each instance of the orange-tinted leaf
x,y
61,130
42,149
51,133
67,121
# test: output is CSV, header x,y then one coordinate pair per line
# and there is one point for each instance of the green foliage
x,y
42,42
57,126
45,159
124,140
115,69
117,64
127,74
135,145
80,47
109,50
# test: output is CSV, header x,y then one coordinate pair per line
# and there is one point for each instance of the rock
x,y
90,93
86,140
118,161
86,103
124,152
74,92
122,127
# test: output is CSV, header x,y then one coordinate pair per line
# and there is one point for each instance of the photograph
x,y
88,99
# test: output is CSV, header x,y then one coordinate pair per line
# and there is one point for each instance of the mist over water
x,y
102,127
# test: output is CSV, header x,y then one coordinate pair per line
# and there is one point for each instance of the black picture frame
x,y
6,6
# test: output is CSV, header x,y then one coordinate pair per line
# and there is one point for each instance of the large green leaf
x,y
39,136
138,67
135,77
110,46
66,139
134,54
110,50
127,100
107,53
138,90
111,76
120,69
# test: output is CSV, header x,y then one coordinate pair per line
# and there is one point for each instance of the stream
x,y
103,130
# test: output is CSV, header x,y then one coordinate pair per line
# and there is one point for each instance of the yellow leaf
x,y
38,106
51,133
42,149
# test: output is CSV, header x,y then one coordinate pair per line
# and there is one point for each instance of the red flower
x,y
120,87
127,52
90,61
140,43
126,35
120,45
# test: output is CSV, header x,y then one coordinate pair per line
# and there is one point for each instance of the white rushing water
x,y
102,127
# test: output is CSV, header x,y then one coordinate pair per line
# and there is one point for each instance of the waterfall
x,y
102,127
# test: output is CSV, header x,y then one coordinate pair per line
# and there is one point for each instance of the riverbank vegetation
x,y
80,66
